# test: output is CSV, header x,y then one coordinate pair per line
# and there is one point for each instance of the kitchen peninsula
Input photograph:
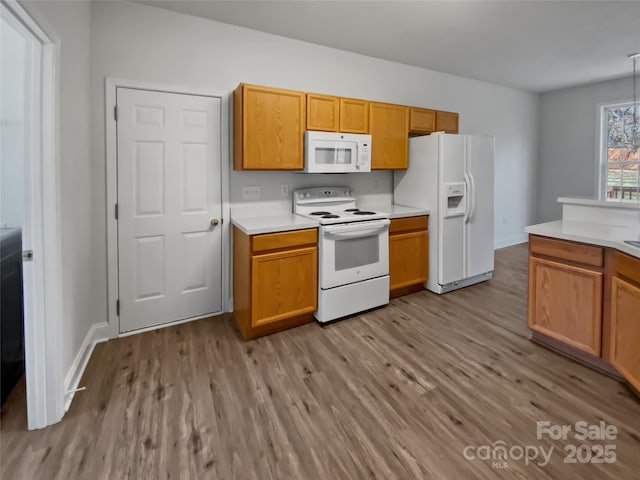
x,y
584,284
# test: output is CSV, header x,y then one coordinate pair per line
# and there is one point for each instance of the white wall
x,y
82,258
569,141
13,73
138,42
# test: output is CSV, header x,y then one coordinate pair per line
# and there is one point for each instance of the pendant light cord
x,y
635,137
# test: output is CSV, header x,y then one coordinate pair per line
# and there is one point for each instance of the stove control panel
x,y
322,193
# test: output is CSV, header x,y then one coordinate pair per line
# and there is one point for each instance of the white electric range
x,y
353,244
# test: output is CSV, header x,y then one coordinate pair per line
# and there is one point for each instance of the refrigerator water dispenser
x,y
455,203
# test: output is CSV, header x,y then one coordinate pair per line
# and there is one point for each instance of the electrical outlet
x,y
251,193
284,190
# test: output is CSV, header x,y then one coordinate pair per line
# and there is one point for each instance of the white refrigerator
x,y
452,176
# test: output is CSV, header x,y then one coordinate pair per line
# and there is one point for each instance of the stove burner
x,y
352,210
320,213
331,216
362,212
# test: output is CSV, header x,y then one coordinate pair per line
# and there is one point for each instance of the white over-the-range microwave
x,y
332,152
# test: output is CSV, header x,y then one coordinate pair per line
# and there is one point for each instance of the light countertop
x,y
397,211
255,225
593,233
252,223
594,202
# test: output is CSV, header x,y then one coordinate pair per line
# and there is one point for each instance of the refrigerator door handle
x,y
472,195
467,206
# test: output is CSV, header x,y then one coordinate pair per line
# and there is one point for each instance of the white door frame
x,y
43,327
111,85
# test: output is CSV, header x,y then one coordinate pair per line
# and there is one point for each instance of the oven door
x,y
353,252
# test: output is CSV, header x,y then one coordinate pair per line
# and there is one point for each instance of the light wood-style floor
x,y
393,393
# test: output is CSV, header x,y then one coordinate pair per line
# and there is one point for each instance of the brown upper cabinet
x,y
335,114
354,115
446,122
323,112
422,120
269,125
389,128
268,128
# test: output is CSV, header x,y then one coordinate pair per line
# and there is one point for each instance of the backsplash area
x,y
374,188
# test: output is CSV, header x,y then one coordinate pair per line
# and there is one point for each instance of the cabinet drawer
x,y
408,223
276,241
627,266
566,250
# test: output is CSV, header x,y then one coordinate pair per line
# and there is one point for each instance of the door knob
x,y
214,222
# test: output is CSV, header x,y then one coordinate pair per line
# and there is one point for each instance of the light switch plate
x,y
251,193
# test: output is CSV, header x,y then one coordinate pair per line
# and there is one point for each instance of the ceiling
x,y
532,45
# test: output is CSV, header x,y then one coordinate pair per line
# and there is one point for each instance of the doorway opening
x,y
29,234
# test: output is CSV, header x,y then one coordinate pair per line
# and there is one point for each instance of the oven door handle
x,y
342,232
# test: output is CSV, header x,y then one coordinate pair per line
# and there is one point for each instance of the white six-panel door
x,y
169,196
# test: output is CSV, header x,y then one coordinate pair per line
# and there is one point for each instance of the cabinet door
x,y
446,122
625,330
322,112
354,115
565,303
408,259
283,284
422,120
389,128
272,128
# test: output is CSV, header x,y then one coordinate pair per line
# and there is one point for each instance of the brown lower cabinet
x,y
275,280
408,254
587,298
565,297
623,316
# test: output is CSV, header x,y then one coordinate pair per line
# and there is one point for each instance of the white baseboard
x,y
508,242
98,332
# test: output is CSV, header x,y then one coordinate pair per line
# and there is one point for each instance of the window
x,y
620,161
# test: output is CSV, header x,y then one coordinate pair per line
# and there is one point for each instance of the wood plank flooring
x,y
393,393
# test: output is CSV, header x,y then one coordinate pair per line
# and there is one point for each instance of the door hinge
x,y
118,307
27,255
116,210
115,113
